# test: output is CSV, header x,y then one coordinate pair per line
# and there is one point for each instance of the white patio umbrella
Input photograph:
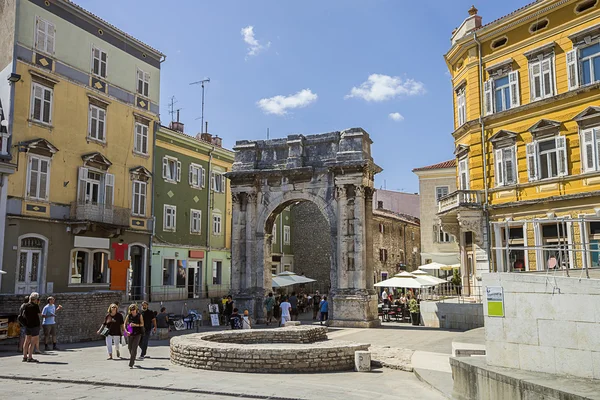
x,y
420,274
432,266
403,280
289,278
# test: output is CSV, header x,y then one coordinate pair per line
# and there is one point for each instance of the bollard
x,y
362,361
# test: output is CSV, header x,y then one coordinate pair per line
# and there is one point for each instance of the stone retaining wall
x,y
287,350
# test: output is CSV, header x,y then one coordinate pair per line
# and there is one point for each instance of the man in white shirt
x,y
285,311
384,296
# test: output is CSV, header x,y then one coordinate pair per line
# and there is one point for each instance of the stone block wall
x,y
81,316
551,324
452,315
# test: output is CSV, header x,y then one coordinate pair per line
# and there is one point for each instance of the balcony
x,y
471,199
101,213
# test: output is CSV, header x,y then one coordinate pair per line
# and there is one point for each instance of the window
x,y
171,169
141,138
499,42
441,191
502,93
95,187
143,82
97,123
462,106
217,224
41,103
138,206
218,182
538,25
383,255
44,36
99,58
168,272
195,218
170,216
38,178
217,272
594,244
547,158
541,78
274,234
589,60
196,176
286,234
440,235
88,267
585,5
463,174
590,149
555,243
506,171
513,239
381,228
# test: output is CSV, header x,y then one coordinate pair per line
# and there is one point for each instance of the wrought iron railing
x,y
460,198
97,212
168,293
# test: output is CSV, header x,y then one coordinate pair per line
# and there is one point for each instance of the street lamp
x,y
14,78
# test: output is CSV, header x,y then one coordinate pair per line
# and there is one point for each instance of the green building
x,y
282,257
191,252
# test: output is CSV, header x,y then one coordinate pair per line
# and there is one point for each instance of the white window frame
x,y
590,149
217,182
41,159
441,236
440,189
461,101
489,89
139,198
274,234
581,60
505,161
141,132
42,100
463,169
100,62
49,32
286,235
144,78
88,279
169,218
167,176
195,219
197,176
534,163
217,224
542,73
216,273
95,135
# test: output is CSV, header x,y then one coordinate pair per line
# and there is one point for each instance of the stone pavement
x,y
82,371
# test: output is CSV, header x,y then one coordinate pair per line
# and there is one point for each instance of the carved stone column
x,y
342,250
360,252
369,238
238,242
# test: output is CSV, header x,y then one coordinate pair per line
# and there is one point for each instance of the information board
x,y
495,301
214,319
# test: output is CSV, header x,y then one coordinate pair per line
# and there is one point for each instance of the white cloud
x,y
384,87
396,116
254,46
279,105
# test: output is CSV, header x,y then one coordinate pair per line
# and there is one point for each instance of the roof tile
x,y
445,164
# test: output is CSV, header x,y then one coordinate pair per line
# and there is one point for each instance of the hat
x,y
245,312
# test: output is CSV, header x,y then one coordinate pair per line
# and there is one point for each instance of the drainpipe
x,y
152,216
486,211
209,207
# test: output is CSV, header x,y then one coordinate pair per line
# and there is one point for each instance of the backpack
x,y
21,318
236,322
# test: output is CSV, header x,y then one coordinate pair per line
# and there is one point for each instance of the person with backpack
x,y
324,309
22,335
235,320
316,301
269,305
30,318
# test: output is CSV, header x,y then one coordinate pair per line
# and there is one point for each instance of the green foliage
x,y
413,306
456,281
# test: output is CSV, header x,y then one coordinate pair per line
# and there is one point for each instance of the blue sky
x,y
312,53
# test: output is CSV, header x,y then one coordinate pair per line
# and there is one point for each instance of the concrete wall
x,y
452,315
551,324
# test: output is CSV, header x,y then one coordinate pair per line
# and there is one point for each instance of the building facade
x,y
191,251
396,243
84,109
436,181
282,254
527,126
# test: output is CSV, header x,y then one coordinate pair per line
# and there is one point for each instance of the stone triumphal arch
x,y
335,171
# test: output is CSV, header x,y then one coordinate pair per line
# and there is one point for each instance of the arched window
x,y
89,266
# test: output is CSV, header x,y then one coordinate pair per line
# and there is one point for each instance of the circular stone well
x,y
281,350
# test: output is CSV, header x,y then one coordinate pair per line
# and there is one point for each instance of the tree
x,y
456,280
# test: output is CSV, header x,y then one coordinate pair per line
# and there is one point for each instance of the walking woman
x,y
115,324
134,323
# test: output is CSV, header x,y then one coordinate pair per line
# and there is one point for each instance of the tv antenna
x,y
202,82
173,110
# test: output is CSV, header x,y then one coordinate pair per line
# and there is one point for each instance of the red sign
x,y
196,254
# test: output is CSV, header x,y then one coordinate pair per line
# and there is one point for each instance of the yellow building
x,y
528,199
83,125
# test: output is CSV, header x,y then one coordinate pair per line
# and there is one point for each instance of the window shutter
x,y
212,181
499,168
109,188
203,178
488,88
510,173
83,173
532,168
561,150
515,95
50,37
191,175
40,34
587,151
223,183
535,74
572,69
597,139
178,171
165,167
548,82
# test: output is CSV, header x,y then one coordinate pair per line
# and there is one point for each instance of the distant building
x,y
282,256
399,202
435,182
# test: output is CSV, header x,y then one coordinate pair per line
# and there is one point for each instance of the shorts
x,y
294,311
270,314
163,333
35,331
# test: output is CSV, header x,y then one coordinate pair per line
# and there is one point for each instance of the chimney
x,y
469,25
380,204
207,137
217,141
176,125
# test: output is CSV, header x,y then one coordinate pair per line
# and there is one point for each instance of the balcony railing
x,y
460,198
103,213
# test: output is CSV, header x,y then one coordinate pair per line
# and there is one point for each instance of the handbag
x,y
104,331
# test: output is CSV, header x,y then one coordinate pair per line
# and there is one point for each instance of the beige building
x,y
435,182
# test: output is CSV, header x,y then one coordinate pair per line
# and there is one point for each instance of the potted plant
x,y
456,281
415,312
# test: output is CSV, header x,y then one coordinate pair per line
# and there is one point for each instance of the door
x,y
595,253
137,268
191,278
194,279
28,271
